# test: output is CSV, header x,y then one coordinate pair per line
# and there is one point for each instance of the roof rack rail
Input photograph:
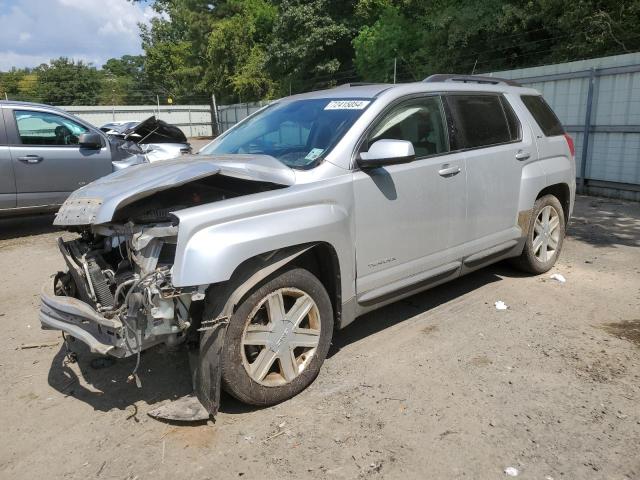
x,y
355,84
444,77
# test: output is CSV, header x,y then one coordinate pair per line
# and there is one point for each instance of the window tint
x,y
43,128
543,115
478,121
419,121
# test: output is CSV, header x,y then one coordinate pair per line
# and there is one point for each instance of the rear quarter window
x,y
480,121
543,115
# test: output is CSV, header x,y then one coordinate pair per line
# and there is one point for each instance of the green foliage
x,y
311,44
245,50
66,82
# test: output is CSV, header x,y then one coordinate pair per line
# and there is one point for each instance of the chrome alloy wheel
x,y
280,337
546,234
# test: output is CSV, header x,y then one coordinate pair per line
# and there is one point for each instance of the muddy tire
x,y
277,339
545,237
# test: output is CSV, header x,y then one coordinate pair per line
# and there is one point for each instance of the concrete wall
x,y
193,120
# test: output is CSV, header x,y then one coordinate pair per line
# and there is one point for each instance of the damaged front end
x,y
118,295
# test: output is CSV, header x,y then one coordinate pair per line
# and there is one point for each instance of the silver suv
x,y
313,211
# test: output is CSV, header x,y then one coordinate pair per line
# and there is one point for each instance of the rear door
x,y
48,162
487,130
7,180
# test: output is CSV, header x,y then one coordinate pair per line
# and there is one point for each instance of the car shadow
x,y
16,227
164,375
595,222
419,303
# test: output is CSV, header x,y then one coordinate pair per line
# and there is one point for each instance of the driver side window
x,y
43,128
419,121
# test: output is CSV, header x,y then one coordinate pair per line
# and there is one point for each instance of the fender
x,y
209,253
538,175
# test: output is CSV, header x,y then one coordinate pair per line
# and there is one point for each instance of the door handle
x,y
523,155
31,159
447,171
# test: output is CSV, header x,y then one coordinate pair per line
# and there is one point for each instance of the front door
x,y
48,162
407,217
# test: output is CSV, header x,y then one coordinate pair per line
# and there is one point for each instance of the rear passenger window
x,y
543,115
479,121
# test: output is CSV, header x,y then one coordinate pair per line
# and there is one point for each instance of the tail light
x,y
572,147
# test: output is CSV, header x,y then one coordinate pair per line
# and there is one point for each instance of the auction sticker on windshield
x,y
347,104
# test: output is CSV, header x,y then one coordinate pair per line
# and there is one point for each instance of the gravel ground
x,y
441,385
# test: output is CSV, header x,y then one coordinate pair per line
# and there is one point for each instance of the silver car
x,y
313,211
46,153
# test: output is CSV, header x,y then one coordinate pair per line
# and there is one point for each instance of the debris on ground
x,y
559,277
500,305
26,346
511,471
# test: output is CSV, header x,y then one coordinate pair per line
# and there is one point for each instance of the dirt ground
x,y
441,385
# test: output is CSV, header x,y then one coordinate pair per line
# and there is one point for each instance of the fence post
x,y
587,130
190,124
215,126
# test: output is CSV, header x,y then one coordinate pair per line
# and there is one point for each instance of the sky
x,y
34,31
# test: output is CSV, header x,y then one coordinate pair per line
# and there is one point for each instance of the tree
x,y
311,44
66,82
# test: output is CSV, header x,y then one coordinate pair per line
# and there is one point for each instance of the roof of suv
x,y
375,89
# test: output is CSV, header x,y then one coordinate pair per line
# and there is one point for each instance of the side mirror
x,y
387,152
90,140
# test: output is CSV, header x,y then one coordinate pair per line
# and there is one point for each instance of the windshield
x,y
299,133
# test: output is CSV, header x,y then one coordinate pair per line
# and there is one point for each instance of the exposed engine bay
x,y
117,295
123,269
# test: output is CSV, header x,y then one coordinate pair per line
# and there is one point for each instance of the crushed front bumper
x,y
80,320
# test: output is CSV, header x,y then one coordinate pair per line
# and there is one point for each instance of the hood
x,y
97,202
153,130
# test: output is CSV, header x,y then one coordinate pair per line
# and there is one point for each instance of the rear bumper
x,y
78,319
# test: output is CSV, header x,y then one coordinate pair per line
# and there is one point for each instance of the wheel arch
x,y
320,258
562,192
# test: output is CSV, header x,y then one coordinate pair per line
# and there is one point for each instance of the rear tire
x,y
277,339
544,238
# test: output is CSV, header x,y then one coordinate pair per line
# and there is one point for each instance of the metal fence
x,y
229,115
598,101
193,120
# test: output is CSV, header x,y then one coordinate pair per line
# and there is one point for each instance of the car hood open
x,y
97,202
153,130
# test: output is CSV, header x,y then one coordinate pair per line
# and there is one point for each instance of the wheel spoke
x,y
260,367
288,365
537,243
300,310
553,224
304,337
553,243
537,226
545,216
276,307
256,335
543,250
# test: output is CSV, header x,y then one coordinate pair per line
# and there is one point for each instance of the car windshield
x,y
299,133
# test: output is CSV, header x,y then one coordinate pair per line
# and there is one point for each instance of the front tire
x,y
277,339
545,237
